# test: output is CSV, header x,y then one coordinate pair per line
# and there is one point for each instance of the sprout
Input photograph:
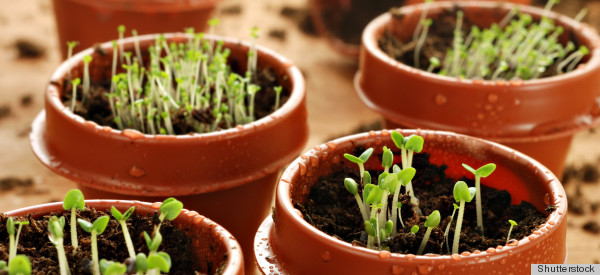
x,y
122,219
387,159
512,223
448,228
74,201
13,239
404,177
425,23
19,265
169,209
55,228
414,229
360,160
86,77
112,268
74,83
413,143
399,206
352,187
70,46
462,195
278,90
433,220
95,228
482,172
434,62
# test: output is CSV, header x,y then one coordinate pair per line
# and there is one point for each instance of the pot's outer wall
x,y
211,241
128,162
302,249
415,98
90,22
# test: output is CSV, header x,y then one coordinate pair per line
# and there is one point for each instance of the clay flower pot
x,y
333,21
212,243
89,22
537,117
288,244
227,175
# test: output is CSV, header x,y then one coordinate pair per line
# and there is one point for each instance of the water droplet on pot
x,y
302,168
326,256
492,98
488,107
298,213
517,82
132,134
441,267
480,116
491,250
331,145
440,99
516,102
531,238
314,161
503,261
136,172
384,254
455,257
397,270
425,269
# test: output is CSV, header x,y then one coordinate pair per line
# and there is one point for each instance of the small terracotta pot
x,y
286,243
227,175
321,9
538,116
211,241
89,22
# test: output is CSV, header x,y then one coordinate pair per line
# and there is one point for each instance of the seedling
x,y
512,224
433,220
481,172
414,229
448,228
122,219
70,46
13,238
19,265
86,77
95,228
360,161
399,205
408,146
462,195
56,229
112,268
387,159
169,210
74,201
352,187
404,177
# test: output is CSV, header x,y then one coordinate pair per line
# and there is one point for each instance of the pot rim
x,y
374,28
284,205
234,262
295,99
148,6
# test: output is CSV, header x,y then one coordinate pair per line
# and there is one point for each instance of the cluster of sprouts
x,y
153,263
189,81
380,220
515,48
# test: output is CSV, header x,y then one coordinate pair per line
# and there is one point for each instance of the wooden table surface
x,y
333,106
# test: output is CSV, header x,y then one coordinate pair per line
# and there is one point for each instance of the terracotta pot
x,y
211,241
89,22
227,175
538,116
322,9
290,245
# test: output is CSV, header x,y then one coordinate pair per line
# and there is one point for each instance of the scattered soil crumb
x,y
25,132
4,111
29,49
589,173
232,9
596,261
576,206
26,100
595,206
9,183
279,34
302,18
592,227
570,173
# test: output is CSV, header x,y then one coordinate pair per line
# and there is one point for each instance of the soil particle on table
x,y
301,17
26,100
576,206
10,183
279,34
592,227
235,9
5,111
29,49
331,209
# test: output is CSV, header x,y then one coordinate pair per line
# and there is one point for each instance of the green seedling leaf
x,y
513,223
387,158
433,220
153,244
406,175
381,177
389,225
469,168
366,155
399,205
121,29
351,186
367,190
141,263
398,139
366,178
414,229
10,226
390,183
3,265
353,158
396,169
455,206
19,265
369,228
485,170
116,213
87,59
85,225
167,258
415,143
112,268
56,227
461,192
100,224
472,191
171,208
74,199
375,195
156,261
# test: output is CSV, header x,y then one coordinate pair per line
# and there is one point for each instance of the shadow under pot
x,y
89,22
228,175
213,250
288,242
537,117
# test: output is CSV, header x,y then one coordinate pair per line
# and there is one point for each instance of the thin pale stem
x,y
127,237
74,241
424,242
361,206
459,219
478,204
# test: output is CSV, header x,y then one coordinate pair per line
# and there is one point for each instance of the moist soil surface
x,y
346,19
439,39
34,243
333,210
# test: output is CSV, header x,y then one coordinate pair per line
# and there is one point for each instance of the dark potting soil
x,y
34,243
346,19
333,210
97,109
439,39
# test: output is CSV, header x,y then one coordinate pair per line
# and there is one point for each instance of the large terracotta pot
x,y
227,175
211,242
538,117
286,243
89,22
326,11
